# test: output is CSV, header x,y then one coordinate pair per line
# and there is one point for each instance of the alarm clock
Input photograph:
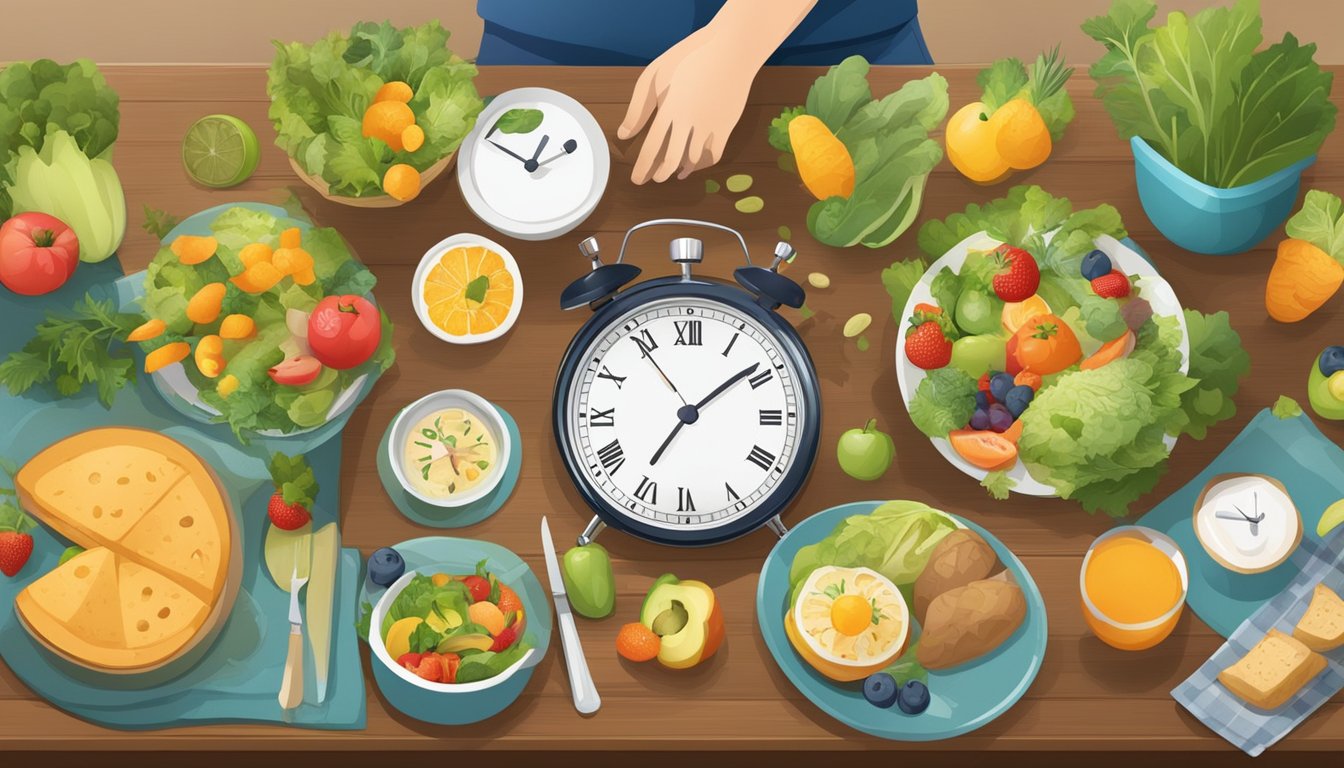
x,y
686,409
535,165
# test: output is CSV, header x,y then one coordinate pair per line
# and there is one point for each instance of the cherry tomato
x,y
38,253
296,371
1045,344
344,331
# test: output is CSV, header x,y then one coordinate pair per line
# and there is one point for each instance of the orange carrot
x,y
1302,279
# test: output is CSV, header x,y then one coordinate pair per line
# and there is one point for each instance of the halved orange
x,y
457,302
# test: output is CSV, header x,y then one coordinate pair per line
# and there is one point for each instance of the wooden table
x,y
1087,697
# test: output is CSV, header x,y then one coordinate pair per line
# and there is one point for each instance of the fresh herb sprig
x,y
294,479
70,351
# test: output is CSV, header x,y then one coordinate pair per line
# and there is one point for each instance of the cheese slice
x,y
186,536
159,539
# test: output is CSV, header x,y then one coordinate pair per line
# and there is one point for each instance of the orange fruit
x,y
1020,135
488,615
456,275
971,145
402,182
394,90
413,138
637,642
984,449
1017,313
386,120
193,249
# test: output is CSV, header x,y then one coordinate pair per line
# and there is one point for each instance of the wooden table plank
x,y
1088,697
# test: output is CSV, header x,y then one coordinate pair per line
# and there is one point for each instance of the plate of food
x,y
900,620
467,290
260,320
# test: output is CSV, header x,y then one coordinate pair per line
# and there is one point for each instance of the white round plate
x,y
562,194
432,256
172,382
1150,286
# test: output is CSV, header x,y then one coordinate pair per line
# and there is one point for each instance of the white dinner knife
x,y
586,699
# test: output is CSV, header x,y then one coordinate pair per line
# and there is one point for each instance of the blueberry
x,y
386,566
982,400
1019,397
1000,418
914,697
1096,264
980,419
880,690
999,386
1332,359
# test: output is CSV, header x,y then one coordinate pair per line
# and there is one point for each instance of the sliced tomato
x,y
296,371
984,449
1113,350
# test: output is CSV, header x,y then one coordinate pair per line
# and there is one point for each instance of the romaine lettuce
x,y
896,540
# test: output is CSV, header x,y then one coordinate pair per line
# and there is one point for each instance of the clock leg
x,y
776,524
595,526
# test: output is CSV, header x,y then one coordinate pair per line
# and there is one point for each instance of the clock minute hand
x,y
507,151
740,375
689,414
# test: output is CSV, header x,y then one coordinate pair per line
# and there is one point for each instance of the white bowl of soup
x,y
449,448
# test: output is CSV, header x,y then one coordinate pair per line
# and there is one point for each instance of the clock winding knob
x,y
588,247
686,251
784,254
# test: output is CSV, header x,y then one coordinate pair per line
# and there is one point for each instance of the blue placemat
x,y
1294,452
964,698
1248,728
418,511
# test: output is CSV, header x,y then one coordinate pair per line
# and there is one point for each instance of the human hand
x,y
694,93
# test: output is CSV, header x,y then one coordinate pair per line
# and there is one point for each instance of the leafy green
x,y
896,540
889,144
158,223
519,121
907,667
75,349
899,280
998,484
1286,408
475,290
943,401
1218,363
38,97
319,94
1101,317
1199,92
1042,86
81,191
1320,222
294,479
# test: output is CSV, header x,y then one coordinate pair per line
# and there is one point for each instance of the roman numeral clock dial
x,y
685,413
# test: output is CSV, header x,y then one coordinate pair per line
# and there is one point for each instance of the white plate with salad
x,y
258,319
1073,386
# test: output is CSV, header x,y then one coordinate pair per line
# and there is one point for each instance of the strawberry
x,y
926,343
15,549
287,517
1114,285
479,587
1018,276
504,639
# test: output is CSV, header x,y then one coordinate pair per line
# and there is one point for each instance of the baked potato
x,y
969,621
960,558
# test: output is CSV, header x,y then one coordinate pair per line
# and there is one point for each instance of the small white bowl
x,y
432,256
438,401
379,650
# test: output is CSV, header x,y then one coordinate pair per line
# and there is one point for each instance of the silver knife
x,y
586,699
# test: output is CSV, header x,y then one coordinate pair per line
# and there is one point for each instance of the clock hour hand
x,y
508,151
569,147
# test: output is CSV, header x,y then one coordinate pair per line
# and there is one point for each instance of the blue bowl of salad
x,y
1212,220
455,640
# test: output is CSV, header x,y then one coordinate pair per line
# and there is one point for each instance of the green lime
x,y
220,151
1331,519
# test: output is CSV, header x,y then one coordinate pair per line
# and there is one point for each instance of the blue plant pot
x,y
1207,219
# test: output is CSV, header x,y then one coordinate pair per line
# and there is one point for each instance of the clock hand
x,y
649,354
740,375
508,151
545,137
658,454
569,147
689,414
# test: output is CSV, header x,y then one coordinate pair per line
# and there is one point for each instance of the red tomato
x,y
38,253
296,371
344,331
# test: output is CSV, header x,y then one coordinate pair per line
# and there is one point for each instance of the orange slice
x,y
469,291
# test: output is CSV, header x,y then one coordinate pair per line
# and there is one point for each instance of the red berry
x,y
926,344
479,587
287,517
1018,276
504,639
1111,286
410,660
15,549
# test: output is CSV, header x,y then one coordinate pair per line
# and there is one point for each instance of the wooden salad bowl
x,y
371,201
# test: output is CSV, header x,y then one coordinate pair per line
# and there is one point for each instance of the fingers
x,y
652,151
674,154
708,154
642,103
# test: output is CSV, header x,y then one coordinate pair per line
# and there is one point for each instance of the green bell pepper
x,y
589,581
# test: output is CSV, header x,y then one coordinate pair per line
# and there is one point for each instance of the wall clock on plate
x,y
535,165
686,409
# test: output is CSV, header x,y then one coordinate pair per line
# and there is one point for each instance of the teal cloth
x,y
1294,452
238,677
422,513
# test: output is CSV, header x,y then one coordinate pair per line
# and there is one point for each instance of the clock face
x,y
535,165
686,414
1247,522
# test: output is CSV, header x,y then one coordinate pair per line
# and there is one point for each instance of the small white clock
x,y
535,165
1247,523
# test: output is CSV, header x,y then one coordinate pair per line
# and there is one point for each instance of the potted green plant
x,y
1221,131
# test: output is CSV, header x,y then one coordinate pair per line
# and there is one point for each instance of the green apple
x,y
978,312
866,453
588,578
1326,393
977,355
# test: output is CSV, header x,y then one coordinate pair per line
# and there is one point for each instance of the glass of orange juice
x,y
1133,584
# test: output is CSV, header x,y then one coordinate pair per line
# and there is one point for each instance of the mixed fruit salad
x,y
448,628
273,314
1042,350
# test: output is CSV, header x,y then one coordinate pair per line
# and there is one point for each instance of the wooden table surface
x,y
1087,697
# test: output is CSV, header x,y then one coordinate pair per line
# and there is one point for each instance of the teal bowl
x,y
1207,219
461,703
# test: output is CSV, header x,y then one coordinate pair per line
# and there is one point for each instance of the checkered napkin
x,y
1254,730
